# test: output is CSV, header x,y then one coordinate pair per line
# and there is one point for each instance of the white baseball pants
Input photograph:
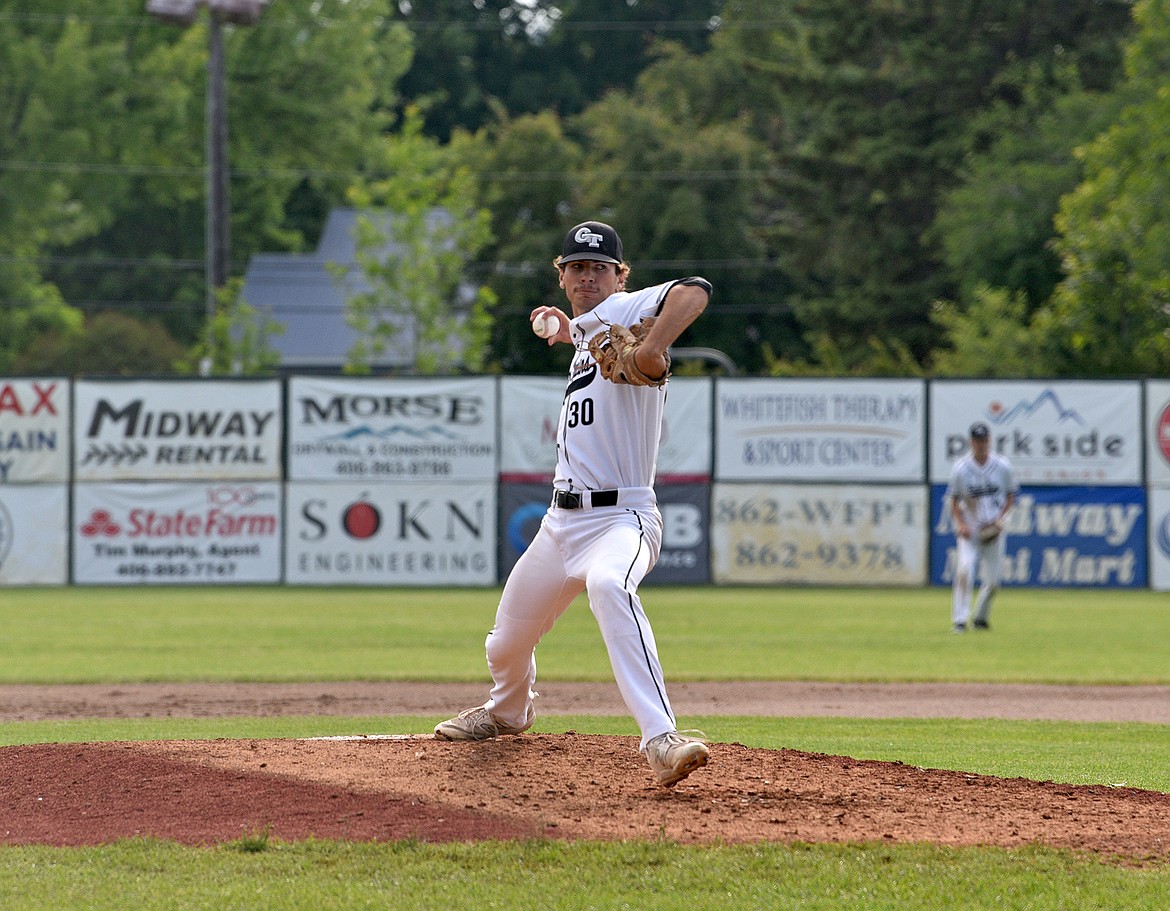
x,y
972,557
605,551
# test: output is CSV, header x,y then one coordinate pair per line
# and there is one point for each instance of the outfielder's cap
x,y
980,431
592,240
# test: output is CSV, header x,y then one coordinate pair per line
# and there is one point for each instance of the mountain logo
x,y
1000,414
397,431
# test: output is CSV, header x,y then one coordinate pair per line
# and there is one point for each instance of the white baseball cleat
x,y
673,756
479,724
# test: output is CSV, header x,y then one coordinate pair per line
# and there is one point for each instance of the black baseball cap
x,y
592,240
979,431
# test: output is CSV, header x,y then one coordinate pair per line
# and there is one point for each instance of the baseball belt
x,y
567,499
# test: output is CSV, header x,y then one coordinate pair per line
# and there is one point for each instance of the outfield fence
x,y
412,481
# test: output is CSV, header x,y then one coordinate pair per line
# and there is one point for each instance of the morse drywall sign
x,y
185,533
399,534
1054,432
392,429
1059,537
820,430
34,430
177,430
822,534
34,540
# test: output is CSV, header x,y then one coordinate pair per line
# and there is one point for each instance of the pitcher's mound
x,y
570,786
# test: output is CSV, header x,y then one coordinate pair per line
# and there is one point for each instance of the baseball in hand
x,y
546,326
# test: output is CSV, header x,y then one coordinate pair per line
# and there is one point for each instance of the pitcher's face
x,y
587,283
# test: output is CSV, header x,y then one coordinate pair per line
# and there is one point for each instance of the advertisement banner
x,y
391,534
177,430
400,429
34,538
685,452
686,546
1059,537
530,407
1157,427
1054,432
820,430
200,533
34,430
1159,538
818,534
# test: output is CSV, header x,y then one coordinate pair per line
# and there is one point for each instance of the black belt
x,y
566,499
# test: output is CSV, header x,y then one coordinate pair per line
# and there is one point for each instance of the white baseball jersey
x,y
608,433
981,490
607,439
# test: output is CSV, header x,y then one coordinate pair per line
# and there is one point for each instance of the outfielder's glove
x,y
989,532
615,348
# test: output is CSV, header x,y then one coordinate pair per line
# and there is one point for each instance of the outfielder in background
x,y
603,532
982,489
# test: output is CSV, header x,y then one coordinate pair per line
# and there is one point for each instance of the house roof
x,y
298,291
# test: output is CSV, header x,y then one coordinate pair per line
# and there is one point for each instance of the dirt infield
x,y
382,785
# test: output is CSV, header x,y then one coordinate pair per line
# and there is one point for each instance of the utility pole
x,y
217,231
218,200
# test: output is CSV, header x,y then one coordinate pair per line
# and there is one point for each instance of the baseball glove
x,y
615,348
989,532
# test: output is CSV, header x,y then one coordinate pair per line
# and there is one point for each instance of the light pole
x,y
217,245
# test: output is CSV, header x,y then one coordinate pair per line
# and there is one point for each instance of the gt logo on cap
x,y
585,236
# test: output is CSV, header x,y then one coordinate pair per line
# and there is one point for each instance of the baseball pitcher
x,y
603,531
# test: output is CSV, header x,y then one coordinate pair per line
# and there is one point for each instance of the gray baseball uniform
x,y
981,492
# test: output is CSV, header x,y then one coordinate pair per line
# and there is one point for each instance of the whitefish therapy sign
x,y
813,430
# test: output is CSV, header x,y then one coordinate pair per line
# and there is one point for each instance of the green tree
x,y
54,106
997,227
239,340
477,59
526,170
413,246
868,112
993,336
110,344
120,101
685,194
1112,311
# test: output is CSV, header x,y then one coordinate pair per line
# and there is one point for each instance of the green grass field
x,y
78,635
287,634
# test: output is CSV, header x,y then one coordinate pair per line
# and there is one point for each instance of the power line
x,y
107,262
135,170
713,24
153,306
292,266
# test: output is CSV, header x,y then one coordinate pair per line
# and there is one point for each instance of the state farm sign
x,y
177,533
